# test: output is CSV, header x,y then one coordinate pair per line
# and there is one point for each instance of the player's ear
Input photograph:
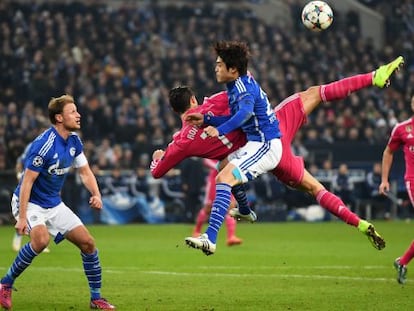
x,y
58,118
193,101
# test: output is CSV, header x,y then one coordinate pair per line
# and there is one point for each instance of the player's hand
x,y
95,202
158,154
194,118
384,187
21,226
211,131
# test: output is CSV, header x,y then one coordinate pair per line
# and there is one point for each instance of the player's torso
x,y
52,157
263,125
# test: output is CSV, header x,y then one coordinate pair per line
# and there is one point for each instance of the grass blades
x,y
279,266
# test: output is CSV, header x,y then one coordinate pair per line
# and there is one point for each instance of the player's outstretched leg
x,y
202,242
401,271
383,73
368,229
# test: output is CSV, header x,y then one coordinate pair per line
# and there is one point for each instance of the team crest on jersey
x,y
409,128
72,151
37,161
55,156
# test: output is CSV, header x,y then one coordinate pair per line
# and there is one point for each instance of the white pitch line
x,y
113,270
280,276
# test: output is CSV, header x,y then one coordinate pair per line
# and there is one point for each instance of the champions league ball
x,y
317,15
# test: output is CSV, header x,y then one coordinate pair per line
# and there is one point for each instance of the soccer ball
x,y
317,15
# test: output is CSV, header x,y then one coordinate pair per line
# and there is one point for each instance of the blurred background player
x,y
402,136
204,213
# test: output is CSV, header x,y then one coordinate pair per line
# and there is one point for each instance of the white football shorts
x,y
256,158
59,220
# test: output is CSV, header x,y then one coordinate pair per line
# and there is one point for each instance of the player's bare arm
x,y
29,178
158,154
387,158
89,180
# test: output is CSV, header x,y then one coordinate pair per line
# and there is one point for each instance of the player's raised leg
x,y
341,89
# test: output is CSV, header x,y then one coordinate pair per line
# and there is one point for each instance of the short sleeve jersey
x,y
52,157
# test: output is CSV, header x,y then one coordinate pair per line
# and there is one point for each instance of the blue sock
x,y
219,210
23,259
239,193
93,272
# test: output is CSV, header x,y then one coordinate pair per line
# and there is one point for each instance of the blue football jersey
x,y
51,156
262,125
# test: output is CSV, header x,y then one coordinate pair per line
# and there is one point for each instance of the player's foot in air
x,y
234,240
368,229
383,73
102,304
5,296
401,271
235,213
202,242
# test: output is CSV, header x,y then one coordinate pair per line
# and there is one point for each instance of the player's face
x,y
224,74
71,117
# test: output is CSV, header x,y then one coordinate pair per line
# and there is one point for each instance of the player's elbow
x,y
156,174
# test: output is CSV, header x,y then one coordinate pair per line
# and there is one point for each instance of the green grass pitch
x,y
279,266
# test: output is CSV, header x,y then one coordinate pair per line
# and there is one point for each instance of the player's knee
x,y
39,242
230,177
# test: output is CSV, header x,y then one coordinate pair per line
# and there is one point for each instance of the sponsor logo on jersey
x,y
55,170
72,151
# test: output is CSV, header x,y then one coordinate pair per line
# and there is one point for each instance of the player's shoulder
x,y
216,105
406,125
45,138
75,137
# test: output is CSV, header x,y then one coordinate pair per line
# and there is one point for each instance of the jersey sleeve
x,y
174,154
395,141
36,157
245,111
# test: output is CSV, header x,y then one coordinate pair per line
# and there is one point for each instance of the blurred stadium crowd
x,y
119,63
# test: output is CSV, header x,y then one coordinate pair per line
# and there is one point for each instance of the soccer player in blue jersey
x,y
38,207
252,113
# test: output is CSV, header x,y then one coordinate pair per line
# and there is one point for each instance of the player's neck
x,y
63,132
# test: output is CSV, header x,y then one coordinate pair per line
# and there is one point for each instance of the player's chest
x,y
60,160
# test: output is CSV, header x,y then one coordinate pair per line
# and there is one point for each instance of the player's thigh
x,y
36,216
62,221
310,184
81,237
